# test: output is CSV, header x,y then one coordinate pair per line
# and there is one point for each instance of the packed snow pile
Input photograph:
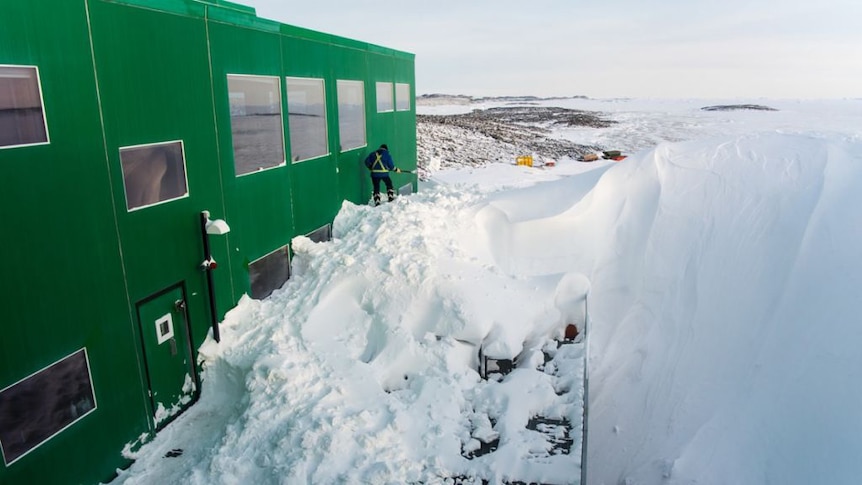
x,y
363,368
721,275
725,287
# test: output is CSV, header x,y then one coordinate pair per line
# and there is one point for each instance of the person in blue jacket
x,y
380,163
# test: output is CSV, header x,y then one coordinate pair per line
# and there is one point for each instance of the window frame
x,y
328,151
325,230
286,249
391,90
361,85
42,105
68,425
407,100
281,106
161,202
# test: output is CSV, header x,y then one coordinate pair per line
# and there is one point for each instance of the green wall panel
x,y
259,204
354,180
350,64
62,284
316,200
395,128
153,92
405,121
315,186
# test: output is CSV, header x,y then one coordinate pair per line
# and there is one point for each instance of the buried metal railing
x,y
505,366
586,389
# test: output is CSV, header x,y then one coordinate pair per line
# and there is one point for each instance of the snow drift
x,y
726,334
723,281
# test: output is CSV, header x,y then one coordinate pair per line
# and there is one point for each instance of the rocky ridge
x,y
499,135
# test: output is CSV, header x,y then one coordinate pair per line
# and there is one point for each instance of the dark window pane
x,y
321,234
269,273
153,173
42,405
22,119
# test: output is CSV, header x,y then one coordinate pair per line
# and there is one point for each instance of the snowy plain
x,y
722,270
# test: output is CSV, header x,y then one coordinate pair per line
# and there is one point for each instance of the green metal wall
x,y
62,278
77,264
154,92
258,204
315,186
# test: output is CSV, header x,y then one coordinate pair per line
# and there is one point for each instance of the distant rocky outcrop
x,y
737,107
443,99
460,99
499,135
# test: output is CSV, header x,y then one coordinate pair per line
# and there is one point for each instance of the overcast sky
x,y
608,48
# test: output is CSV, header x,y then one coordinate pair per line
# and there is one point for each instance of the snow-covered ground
x,y
721,262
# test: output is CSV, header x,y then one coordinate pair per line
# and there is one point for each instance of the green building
x,y
136,136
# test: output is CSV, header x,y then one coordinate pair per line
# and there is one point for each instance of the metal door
x,y
167,354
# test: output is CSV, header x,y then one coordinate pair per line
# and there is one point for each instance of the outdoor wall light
x,y
217,226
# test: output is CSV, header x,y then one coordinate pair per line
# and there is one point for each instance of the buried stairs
x,y
560,434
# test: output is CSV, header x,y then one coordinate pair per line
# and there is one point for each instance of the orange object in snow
x,y
526,160
617,159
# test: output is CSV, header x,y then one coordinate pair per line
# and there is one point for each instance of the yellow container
x,y
526,160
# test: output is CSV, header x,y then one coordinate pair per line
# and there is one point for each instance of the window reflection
x,y
306,118
269,273
255,122
402,97
22,118
37,408
384,97
351,114
153,173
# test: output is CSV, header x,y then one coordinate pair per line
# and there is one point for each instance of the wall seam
x,y
144,386
218,154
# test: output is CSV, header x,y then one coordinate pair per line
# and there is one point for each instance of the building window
x,y
306,118
269,273
384,97
153,173
351,114
22,117
402,97
38,407
321,234
255,122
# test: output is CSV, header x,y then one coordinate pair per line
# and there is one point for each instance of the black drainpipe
x,y
208,266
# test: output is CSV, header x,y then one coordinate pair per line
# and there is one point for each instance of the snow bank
x,y
363,368
723,278
725,337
